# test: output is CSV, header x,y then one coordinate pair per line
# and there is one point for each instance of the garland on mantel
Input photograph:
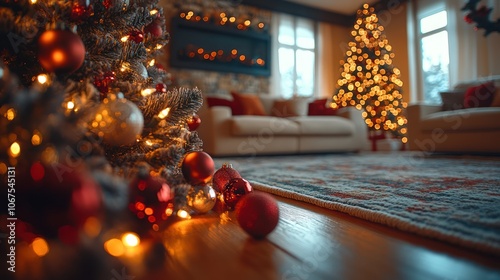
x,y
480,17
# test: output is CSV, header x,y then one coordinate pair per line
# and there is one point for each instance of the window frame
x,y
420,36
295,48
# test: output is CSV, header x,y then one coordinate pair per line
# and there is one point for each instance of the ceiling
x,y
348,7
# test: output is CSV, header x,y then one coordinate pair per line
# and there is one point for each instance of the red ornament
x,y
198,168
468,18
223,175
81,10
151,200
136,36
103,82
154,28
57,200
235,189
193,122
258,214
60,51
161,87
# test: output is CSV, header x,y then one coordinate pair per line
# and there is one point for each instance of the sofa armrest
x,y
415,114
214,125
419,110
361,129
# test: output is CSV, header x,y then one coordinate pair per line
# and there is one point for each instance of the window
x,y
296,56
434,55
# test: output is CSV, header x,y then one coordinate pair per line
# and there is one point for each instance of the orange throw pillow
x,y
249,103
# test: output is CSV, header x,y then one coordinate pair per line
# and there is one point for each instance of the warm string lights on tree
x,y
480,17
105,154
369,80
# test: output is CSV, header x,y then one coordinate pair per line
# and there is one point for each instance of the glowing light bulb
x,y
42,78
183,214
40,246
130,239
114,247
15,149
164,113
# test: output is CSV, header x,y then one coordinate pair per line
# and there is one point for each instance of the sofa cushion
x,y
324,125
496,100
480,96
318,108
263,125
217,101
250,104
294,107
452,99
485,118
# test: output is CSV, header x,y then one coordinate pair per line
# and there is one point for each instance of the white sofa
x,y
245,135
471,130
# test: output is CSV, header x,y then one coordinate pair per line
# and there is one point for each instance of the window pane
x,y
286,34
433,22
305,72
435,60
305,34
286,66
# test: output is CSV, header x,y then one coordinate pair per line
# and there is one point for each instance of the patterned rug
x,y
454,199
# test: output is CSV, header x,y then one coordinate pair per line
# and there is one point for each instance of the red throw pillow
x,y
250,104
318,108
480,96
216,101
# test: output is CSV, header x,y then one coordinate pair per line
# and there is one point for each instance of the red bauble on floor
x,y
223,175
235,189
257,214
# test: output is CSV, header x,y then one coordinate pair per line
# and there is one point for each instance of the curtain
x,y
275,88
327,65
472,55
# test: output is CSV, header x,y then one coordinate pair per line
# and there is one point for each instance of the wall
x,y
209,82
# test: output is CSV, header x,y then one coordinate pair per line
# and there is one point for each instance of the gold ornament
x,y
201,198
117,121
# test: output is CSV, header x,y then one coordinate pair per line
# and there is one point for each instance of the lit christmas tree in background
x,y
369,80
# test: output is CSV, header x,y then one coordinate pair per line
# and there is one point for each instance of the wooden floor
x,y
310,243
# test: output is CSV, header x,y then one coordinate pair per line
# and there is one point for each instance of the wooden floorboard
x,y
312,243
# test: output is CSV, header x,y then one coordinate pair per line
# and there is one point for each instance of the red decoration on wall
x,y
480,17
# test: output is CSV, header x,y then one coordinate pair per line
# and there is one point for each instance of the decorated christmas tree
x,y
369,80
94,145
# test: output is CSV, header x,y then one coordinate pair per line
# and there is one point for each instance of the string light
x,y
40,246
14,150
164,113
42,78
183,214
148,91
130,239
10,114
